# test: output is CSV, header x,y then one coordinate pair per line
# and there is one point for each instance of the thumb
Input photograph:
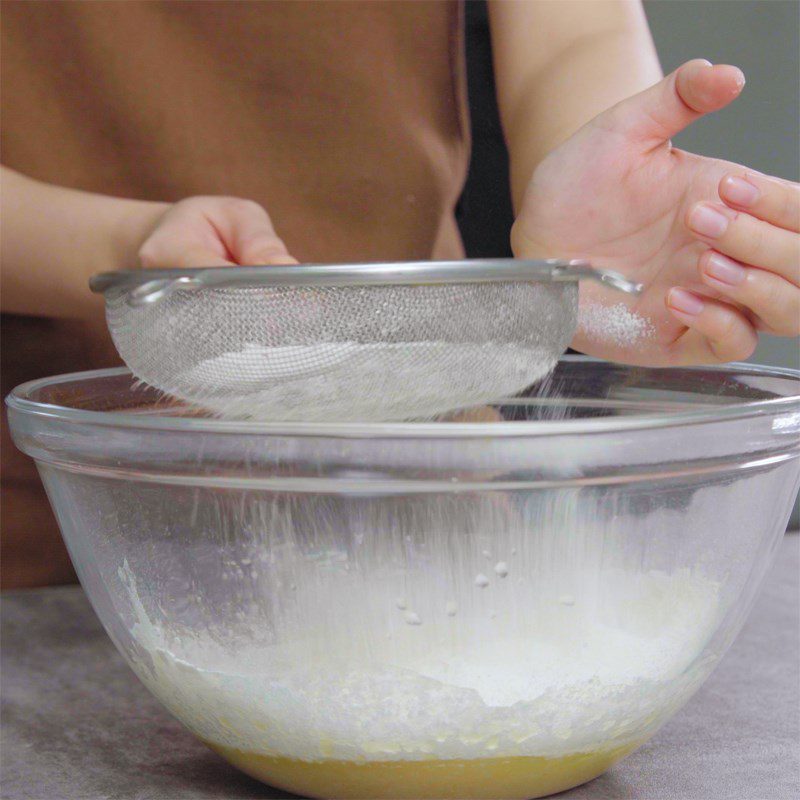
x,y
694,89
251,237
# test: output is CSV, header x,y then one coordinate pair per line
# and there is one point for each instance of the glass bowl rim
x,y
19,401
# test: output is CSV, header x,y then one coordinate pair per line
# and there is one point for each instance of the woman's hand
x,y
54,239
213,232
717,246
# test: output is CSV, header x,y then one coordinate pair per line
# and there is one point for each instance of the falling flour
x,y
566,600
615,324
389,651
481,581
577,680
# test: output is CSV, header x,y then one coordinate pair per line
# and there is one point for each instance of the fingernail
x,y
708,221
686,302
725,270
740,191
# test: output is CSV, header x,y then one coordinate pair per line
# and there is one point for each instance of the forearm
x,y
53,239
558,64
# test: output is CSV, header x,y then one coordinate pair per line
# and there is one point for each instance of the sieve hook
x,y
156,290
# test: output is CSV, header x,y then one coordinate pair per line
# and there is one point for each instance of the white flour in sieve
x,y
615,324
381,381
248,368
586,675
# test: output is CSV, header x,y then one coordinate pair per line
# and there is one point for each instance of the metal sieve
x,y
365,342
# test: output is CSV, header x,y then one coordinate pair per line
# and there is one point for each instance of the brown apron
x,y
346,120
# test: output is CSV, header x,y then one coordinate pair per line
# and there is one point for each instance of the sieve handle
x,y
582,270
152,291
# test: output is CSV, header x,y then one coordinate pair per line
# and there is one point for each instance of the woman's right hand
x,y
54,239
213,232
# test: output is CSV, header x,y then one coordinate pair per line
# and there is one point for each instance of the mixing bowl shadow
x,y
498,604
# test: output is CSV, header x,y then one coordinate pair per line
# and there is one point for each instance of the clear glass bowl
x,y
500,604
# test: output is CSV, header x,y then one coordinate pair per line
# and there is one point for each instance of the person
x,y
158,134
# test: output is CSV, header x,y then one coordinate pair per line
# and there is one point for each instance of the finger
x,y
164,253
191,257
774,300
769,199
251,238
747,239
694,89
717,332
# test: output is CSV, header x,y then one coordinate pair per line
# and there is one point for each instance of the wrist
x,y
136,220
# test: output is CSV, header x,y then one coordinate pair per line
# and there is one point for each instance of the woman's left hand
x,y
717,246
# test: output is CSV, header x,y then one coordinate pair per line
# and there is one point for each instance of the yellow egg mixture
x,y
516,778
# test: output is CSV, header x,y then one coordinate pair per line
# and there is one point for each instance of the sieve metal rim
x,y
143,287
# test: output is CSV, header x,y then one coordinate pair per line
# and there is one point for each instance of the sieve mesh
x,y
349,353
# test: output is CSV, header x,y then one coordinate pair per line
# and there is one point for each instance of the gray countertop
x,y
77,724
